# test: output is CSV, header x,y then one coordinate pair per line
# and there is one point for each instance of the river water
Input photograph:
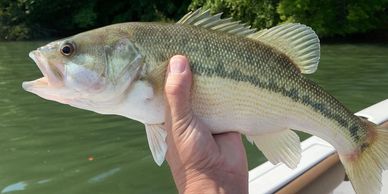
x,y
50,148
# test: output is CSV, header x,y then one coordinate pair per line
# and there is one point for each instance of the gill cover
x,y
102,79
123,62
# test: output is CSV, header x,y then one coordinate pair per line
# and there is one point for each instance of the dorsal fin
x,y
214,22
297,41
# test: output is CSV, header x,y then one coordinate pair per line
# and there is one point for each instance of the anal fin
x,y
283,146
156,136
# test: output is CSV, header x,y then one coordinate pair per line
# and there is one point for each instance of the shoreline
x,y
372,37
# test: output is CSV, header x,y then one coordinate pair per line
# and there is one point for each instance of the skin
x,y
199,161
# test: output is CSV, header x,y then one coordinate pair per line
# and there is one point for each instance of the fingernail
x,y
177,65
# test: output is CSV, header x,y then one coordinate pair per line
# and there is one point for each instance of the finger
x,y
229,142
232,148
231,138
177,88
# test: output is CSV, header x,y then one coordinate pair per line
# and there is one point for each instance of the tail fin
x,y
365,167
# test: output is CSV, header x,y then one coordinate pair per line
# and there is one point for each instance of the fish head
x,y
87,70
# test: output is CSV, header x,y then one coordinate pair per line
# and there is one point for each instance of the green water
x,y
46,147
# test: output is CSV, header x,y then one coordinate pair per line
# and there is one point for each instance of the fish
x,y
245,80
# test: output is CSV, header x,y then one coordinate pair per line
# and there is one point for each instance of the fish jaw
x,y
53,73
49,79
50,86
41,88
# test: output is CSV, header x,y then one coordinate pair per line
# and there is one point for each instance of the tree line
x,y
45,19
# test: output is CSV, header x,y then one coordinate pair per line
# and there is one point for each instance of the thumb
x,y
177,88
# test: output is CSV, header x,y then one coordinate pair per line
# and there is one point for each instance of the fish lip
x,y
42,68
29,85
49,78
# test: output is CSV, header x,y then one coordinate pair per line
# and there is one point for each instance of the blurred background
x,y
46,147
45,19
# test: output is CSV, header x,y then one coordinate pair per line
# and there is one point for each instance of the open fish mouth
x,y
52,76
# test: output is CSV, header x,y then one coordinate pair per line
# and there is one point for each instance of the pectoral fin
x,y
156,136
283,146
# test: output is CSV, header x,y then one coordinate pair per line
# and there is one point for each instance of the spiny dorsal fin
x,y
214,22
297,41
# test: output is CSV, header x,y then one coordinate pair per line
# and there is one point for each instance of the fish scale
x,y
244,60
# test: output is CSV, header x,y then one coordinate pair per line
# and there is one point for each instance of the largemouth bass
x,y
243,80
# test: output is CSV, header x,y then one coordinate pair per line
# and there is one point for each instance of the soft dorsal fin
x,y
214,22
297,41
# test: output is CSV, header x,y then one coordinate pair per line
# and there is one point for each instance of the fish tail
x,y
365,165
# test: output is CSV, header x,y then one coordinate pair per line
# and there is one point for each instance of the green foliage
x,y
259,13
17,32
336,17
32,19
23,19
327,18
12,14
86,16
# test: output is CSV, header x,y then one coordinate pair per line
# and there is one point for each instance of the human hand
x,y
200,162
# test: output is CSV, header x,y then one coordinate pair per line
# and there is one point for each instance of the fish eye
x,y
67,49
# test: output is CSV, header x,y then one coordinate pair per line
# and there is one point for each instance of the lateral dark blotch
x,y
273,86
306,100
293,94
342,121
354,132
